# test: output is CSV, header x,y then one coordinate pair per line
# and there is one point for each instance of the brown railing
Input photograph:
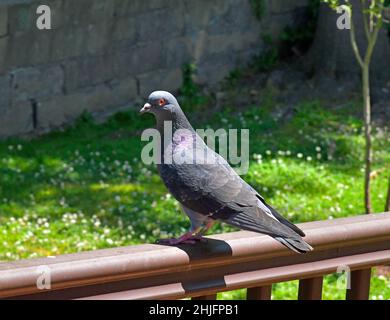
x,y
226,262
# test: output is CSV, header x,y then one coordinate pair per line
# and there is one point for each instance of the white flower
x,y
80,244
300,155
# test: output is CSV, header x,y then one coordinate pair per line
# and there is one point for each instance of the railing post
x,y
206,297
310,289
360,285
259,293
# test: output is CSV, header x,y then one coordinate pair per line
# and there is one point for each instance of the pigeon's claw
x,y
187,238
175,241
198,238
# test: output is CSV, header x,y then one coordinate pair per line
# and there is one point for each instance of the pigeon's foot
x,y
198,238
187,238
175,241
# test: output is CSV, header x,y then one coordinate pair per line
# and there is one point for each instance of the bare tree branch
x,y
353,39
366,29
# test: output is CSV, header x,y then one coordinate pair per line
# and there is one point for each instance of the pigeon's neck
x,y
175,131
178,120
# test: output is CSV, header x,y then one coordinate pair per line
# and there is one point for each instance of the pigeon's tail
x,y
297,245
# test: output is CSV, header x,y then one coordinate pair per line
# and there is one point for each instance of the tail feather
x,y
297,245
284,221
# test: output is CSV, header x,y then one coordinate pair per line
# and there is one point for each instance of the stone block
x,y
3,53
138,59
161,24
17,53
121,7
57,110
238,17
228,43
36,82
5,95
179,51
16,120
111,95
167,79
57,14
52,111
21,18
133,8
159,4
199,14
87,71
39,51
85,12
125,29
123,91
97,38
3,20
68,43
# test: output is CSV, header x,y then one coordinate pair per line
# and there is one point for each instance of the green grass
x,y
86,188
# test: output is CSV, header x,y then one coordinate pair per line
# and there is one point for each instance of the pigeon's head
x,y
159,103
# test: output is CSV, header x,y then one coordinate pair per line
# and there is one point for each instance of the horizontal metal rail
x,y
225,262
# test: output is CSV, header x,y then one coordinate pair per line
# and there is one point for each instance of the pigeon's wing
x,y
277,215
214,189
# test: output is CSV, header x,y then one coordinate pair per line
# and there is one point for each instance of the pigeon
x,y
206,186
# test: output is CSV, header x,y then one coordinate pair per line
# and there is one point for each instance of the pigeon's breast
x,y
186,184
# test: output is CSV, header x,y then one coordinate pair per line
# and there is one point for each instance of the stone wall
x,y
101,55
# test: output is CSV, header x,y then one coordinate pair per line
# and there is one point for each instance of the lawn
x,y
86,188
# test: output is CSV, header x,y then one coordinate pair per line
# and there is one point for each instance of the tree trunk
x,y
331,53
367,135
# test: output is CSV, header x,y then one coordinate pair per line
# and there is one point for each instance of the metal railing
x,y
225,262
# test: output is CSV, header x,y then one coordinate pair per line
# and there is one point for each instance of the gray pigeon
x,y
207,188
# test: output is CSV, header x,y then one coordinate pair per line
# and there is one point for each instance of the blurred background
x,y
71,178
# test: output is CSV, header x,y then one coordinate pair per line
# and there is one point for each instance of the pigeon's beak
x,y
146,108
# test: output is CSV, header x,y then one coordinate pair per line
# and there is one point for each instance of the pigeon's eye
x,y
161,102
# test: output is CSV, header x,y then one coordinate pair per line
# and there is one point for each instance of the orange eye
x,y
161,102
